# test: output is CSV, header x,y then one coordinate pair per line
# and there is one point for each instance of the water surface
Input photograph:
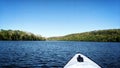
x,y
55,54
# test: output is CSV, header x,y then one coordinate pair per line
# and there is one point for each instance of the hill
x,y
110,35
19,35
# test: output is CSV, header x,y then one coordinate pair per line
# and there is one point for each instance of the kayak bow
x,y
81,61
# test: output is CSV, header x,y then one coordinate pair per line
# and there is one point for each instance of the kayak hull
x,y
87,63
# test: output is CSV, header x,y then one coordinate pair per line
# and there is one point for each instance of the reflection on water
x,y
55,54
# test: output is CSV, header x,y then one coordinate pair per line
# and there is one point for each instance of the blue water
x,y
55,54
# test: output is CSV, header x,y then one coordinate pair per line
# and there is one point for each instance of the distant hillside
x,y
111,35
18,35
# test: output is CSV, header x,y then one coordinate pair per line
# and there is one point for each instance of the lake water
x,y
55,54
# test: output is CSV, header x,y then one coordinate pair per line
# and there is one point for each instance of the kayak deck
x,y
87,63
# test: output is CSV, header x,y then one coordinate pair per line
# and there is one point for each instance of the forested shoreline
x,y
110,35
17,35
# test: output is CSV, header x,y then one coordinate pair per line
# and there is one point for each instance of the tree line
x,y
18,35
110,35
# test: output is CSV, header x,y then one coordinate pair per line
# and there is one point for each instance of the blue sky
x,y
59,17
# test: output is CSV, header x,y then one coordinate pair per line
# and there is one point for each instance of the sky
x,y
59,17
